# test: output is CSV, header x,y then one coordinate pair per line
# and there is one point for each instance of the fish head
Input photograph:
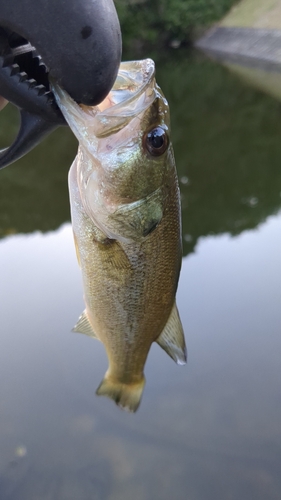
x,y
125,154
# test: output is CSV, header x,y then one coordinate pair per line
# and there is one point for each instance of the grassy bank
x,y
162,22
255,14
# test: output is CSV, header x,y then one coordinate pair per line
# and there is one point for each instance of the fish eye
x,y
156,141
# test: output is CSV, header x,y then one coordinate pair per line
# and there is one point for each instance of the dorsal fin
x,y
83,325
172,338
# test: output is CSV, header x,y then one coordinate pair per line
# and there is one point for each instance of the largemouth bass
x,y
125,210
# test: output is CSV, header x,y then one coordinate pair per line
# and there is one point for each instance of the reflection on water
x,y
33,191
226,139
210,430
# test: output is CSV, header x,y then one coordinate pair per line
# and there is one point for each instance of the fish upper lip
x,y
147,68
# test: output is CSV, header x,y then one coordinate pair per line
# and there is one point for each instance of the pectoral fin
x,y
83,325
114,256
172,338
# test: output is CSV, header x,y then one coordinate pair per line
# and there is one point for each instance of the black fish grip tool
x,y
75,42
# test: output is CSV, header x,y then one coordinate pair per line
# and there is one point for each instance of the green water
x,y
227,144
207,431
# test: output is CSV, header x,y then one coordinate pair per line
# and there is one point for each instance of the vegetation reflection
x,y
226,139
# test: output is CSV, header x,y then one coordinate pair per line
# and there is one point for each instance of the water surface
x,y
205,431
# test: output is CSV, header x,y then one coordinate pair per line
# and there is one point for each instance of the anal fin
x,y
83,325
172,338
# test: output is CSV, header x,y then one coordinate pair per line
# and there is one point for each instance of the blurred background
x,y
205,431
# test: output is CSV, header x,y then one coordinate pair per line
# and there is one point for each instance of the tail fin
x,y
127,396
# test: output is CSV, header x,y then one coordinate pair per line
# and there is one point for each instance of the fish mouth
x,y
133,92
135,79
